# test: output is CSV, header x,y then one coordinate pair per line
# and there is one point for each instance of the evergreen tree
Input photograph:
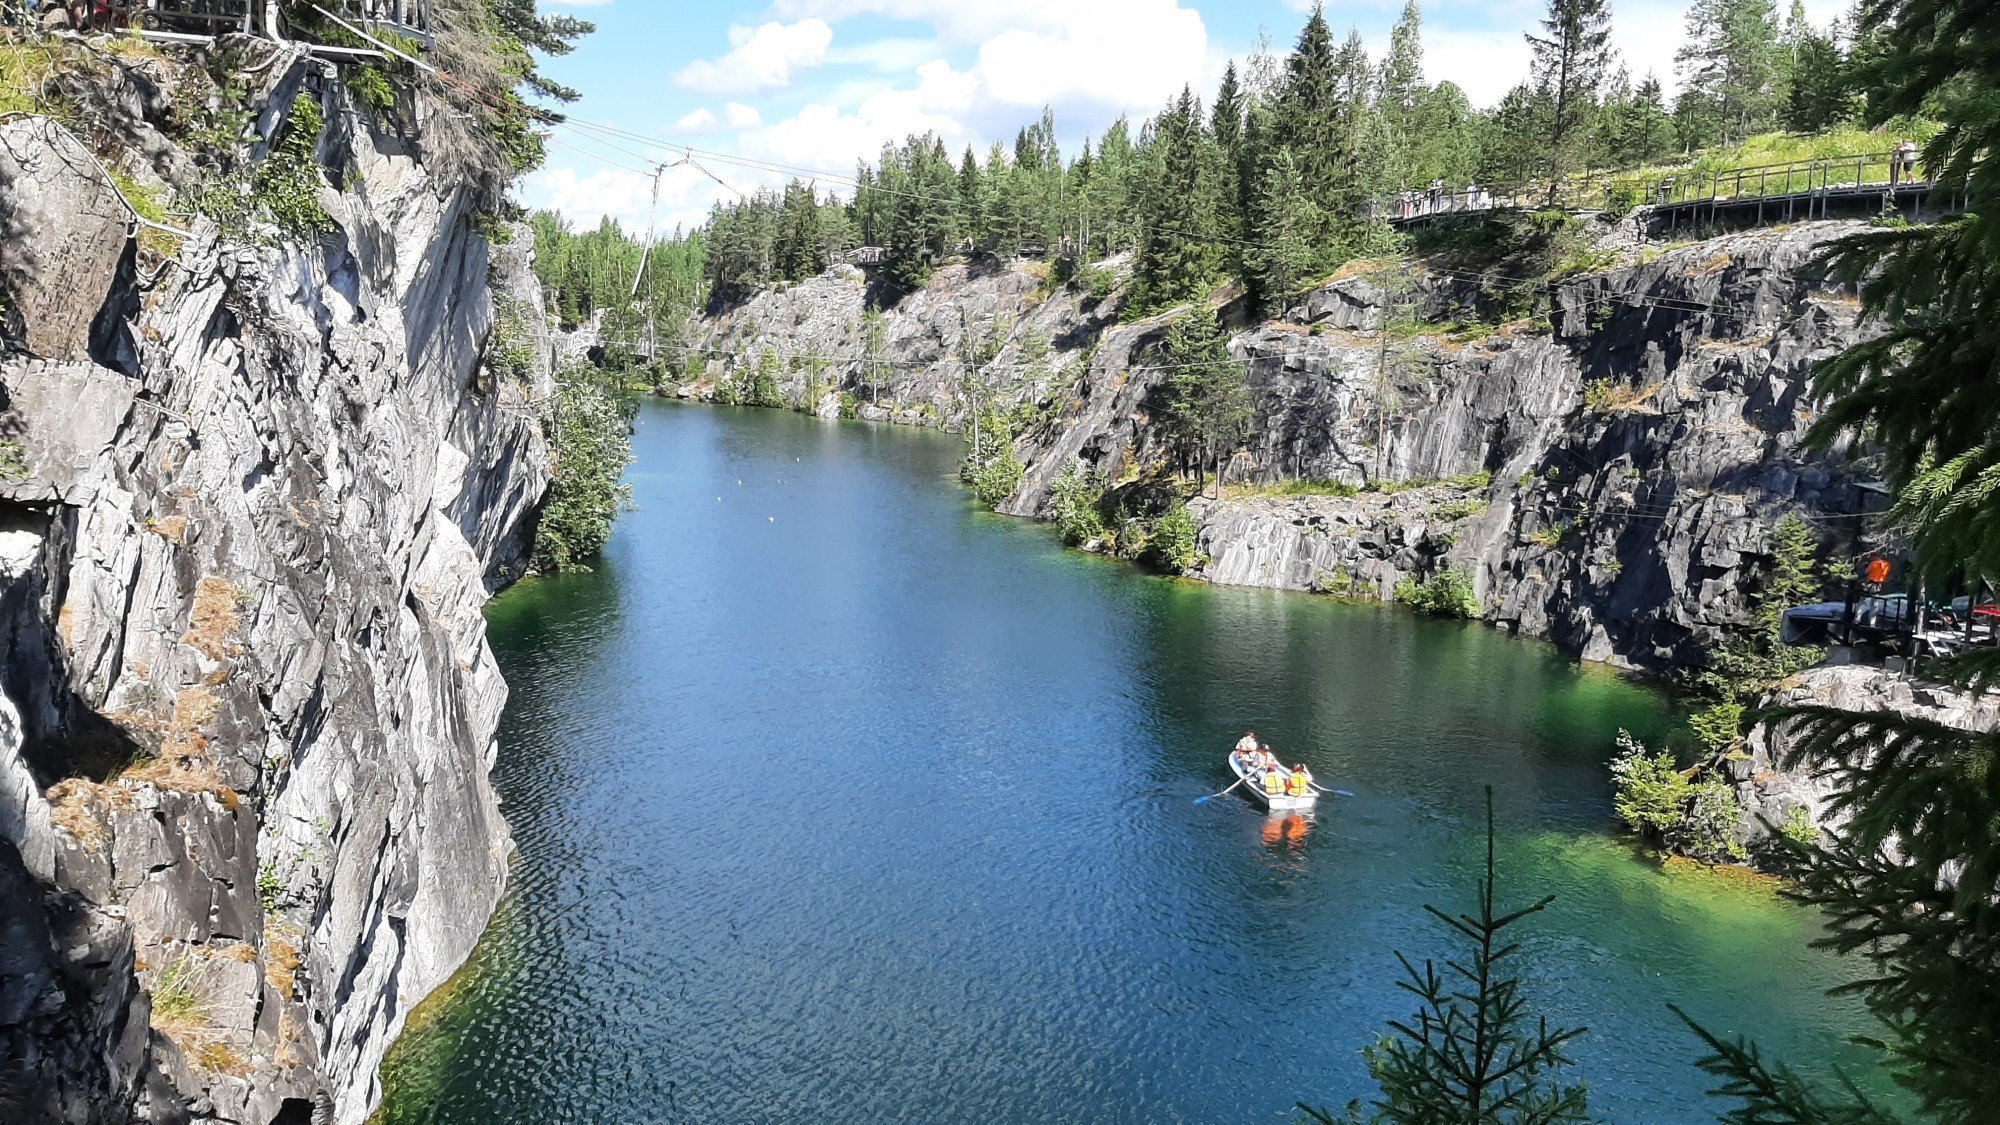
x,y
1729,70
801,250
1178,255
1820,94
1360,157
1449,135
1308,118
1402,103
1288,225
1912,883
972,201
1571,55
1226,128
1646,132
1474,1054
1512,153
922,231
1201,403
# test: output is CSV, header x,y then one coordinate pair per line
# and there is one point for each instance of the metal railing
x,y
1797,177
205,17
1422,204
1756,181
218,17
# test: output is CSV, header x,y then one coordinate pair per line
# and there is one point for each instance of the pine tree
x,y
1178,255
1729,69
1571,55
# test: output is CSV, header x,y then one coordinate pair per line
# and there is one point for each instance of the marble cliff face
x,y
256,490
1641,443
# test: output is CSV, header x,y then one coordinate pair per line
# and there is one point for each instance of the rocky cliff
x,y
1605,475
255,486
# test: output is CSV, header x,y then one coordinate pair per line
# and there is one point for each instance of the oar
x,y
1213,796
1324,789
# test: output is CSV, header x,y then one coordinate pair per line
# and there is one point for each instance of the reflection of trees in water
x,y
1372,693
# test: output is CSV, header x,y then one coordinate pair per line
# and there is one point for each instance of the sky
x,y
815,85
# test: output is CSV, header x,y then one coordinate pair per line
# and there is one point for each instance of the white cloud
x,y
1485,64
1120,54
1088,59
761,58
742,116
824,136
585,197
890,56
699,121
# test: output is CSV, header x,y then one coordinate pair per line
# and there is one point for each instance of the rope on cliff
x,y
136,219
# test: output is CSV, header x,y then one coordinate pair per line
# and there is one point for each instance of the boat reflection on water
x,y
1285,833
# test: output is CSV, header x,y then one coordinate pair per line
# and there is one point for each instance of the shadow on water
x,y
839,800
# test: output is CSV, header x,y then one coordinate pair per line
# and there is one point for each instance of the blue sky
x,y
817,84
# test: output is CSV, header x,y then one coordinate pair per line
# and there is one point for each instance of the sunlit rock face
x,y
252,502
1620,462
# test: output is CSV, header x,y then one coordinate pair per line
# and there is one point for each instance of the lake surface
x,y
838,800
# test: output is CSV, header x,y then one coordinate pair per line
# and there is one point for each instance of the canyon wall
x,y
1606,475
255,487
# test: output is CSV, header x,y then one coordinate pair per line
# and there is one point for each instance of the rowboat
x,y
1276,802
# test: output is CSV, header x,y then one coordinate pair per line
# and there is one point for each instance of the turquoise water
x,y
840,801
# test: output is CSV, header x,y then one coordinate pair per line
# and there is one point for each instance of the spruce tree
x,y
1401,101
1474,1053
1911,884
1201,402
1449,134
1571,56
1287,227
1178,255
972,202
1308,119
1226,129
1646,132
1361,155
1820,94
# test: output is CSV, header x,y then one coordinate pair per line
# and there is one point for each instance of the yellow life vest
x,y
1274,782
1297,786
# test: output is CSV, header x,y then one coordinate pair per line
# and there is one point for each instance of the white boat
x,y
1276,802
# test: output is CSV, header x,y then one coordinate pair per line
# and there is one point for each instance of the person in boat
x,y
1300,783
1274,781
1246,749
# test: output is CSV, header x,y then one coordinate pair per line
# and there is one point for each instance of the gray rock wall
x,y
1641,443
248,714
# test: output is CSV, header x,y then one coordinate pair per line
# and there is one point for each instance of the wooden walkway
x,y
1856,186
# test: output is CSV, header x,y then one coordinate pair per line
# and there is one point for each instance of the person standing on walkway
x,y
1903,163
